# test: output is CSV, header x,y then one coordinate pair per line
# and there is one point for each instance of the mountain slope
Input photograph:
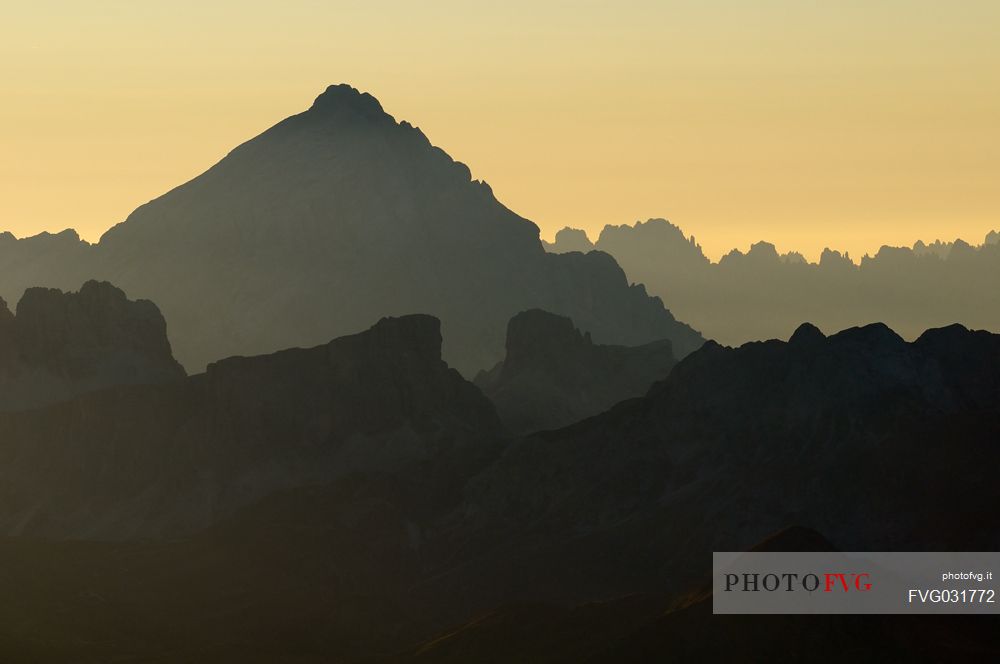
x,y
356,499
883,444
171,459
338,216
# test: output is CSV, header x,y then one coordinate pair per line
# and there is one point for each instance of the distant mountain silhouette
x,y
63,344
171,459
761,295
553,375
329,220
569,239
59,260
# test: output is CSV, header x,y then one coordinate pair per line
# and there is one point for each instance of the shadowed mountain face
x,y
63,344
553,375
762,294
329,220
883,444
355,499
174,458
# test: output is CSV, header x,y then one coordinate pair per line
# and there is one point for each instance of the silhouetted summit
x,y
345,100
331,219
62,344
569,239
659,242
553,375
58,260
807,333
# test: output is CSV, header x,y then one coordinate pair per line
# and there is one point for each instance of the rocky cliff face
x,y
63,344
170,459
553,375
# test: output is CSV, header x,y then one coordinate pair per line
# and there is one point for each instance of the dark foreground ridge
x,y
861,435
355,500
651,627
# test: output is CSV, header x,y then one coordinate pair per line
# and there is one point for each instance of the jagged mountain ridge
x,y
861,434
433,515
59,345
331,219
171,459
762,294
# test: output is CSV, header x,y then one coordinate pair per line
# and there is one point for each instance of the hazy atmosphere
x,y
850,125
378,333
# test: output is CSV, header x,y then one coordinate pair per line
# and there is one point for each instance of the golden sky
x,y
850,123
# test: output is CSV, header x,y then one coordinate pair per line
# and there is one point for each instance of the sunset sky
x,y
849,124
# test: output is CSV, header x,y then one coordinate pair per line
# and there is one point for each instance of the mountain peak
x,y
359,216
872,335
807,333
343,98
570,239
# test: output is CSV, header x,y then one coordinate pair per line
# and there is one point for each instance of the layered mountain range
x,y
762,294
171,459
359,500
355,499
327,221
